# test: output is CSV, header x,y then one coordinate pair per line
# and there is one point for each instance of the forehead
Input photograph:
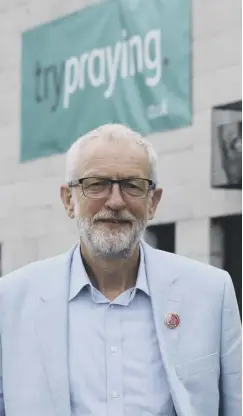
x,y
116,158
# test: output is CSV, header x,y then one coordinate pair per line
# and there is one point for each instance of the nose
x,y
115,199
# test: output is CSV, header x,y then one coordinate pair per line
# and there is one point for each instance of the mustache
x,y
116,216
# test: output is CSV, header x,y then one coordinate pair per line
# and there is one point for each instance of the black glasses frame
x,y
77,182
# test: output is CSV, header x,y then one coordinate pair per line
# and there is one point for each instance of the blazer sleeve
x,y
230,379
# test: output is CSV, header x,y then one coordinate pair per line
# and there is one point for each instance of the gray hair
x,y
110,132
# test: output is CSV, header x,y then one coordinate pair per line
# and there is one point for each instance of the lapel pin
x,y
172,320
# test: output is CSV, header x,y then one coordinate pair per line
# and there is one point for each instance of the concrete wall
x,y
33,224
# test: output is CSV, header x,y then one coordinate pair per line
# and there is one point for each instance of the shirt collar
x,y
142,282
79,278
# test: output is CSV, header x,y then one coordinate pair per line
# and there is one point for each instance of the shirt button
x,y
113,350
115,394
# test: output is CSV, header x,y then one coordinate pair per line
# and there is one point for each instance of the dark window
x,y
164,235
232,226
226,158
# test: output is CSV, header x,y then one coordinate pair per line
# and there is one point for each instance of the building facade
x,y
194,219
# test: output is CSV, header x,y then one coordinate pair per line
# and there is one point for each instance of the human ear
x,y
67,199
154,200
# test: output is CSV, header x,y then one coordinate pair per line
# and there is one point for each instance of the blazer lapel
x,y
166,296
52,330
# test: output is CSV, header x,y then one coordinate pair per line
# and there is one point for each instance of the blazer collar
x,y
53,275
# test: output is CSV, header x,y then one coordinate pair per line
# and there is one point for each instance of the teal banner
x,y
121,61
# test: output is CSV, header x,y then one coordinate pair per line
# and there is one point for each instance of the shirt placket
x,y
114,361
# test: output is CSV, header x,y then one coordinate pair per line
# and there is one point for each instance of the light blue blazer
x,y
201,357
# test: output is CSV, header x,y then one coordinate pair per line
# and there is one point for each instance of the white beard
x,y
108,243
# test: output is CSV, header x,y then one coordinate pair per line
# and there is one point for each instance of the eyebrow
x,y
96,175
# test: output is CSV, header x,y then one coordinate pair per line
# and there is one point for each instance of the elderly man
x,y
114,327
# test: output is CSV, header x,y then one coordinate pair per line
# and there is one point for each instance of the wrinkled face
x,y
111,226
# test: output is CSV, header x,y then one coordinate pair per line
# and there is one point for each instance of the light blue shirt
x,y
115,364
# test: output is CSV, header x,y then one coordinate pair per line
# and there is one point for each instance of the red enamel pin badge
x,y
172,320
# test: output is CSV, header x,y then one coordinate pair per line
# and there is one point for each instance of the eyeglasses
x,y
96,187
